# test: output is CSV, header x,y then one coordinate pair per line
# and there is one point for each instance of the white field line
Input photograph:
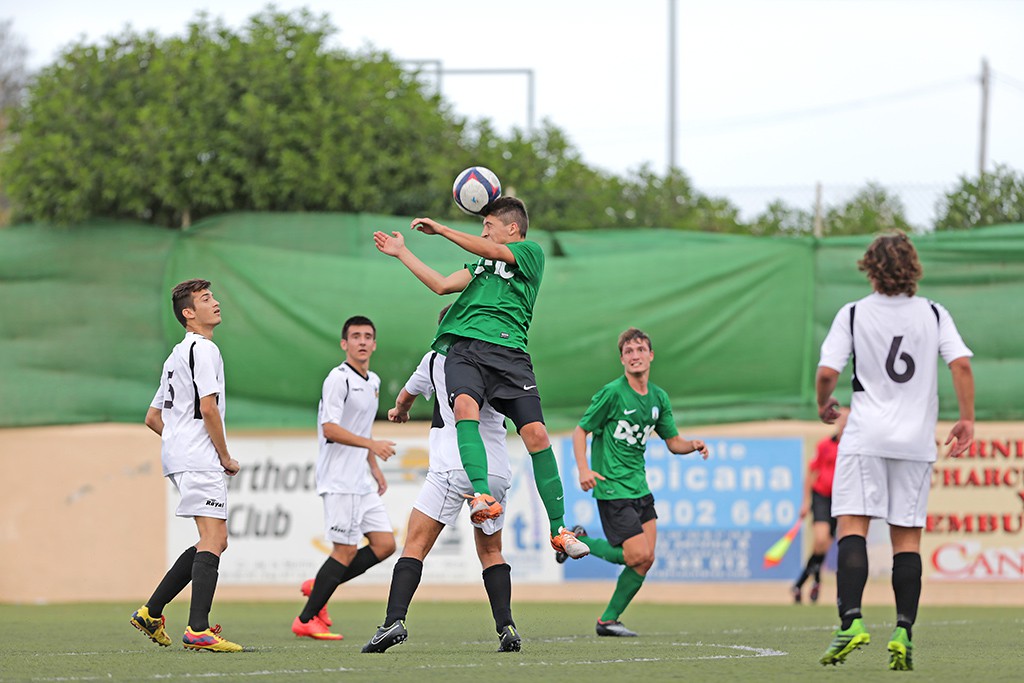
x,y
734,652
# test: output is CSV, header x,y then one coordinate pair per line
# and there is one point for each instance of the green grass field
x,y
456,642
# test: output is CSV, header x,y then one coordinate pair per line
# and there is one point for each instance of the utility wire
x,y
1009,80
827,109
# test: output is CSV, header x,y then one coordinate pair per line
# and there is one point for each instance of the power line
x,y
827,109
1009,80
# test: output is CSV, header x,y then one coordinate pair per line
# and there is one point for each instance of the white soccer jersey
x,y
428,380
894,341
349,400
193,370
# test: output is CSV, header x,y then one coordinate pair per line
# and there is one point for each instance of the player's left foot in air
x,y
797,594
509,640
614,628
307,588
151,627
844,642
815,591
560,555
566,542
208,641
900,649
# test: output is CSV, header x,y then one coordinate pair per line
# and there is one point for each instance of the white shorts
x,y
444,493
203,494
885,488
350,516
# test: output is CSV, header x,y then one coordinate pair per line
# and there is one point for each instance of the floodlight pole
x,y
671,85
983,135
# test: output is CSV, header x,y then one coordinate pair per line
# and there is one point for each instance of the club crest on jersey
x,y
655,413
500,268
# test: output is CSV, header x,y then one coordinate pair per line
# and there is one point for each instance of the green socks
x,y
549,486
600,547
473,454
628,584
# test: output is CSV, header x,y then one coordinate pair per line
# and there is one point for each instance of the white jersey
x,y
894,341
428,380
349,400
193,370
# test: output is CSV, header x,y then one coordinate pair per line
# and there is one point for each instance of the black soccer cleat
x,y
386,636
614,628
560,555
509,640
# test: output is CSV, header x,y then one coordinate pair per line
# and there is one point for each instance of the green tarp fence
x,y
85,319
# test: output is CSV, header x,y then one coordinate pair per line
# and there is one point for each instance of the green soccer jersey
x,y
621,421
497,305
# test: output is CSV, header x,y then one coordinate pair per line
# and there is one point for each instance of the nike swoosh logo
x,y
378,637
629,412
560,498
527,388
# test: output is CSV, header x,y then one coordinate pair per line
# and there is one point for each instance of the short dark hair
x,y
357,320
440,316
509,210
892,265
633,334
181,297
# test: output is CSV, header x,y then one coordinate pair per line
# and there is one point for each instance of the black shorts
x,y
821,510
497,374
624,518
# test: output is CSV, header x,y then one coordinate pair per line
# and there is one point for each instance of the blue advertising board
x,y
716,517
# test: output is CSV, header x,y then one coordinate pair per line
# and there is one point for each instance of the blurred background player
x,y
887,452
483,337
818,501
444,493
348,478
188,414
622,416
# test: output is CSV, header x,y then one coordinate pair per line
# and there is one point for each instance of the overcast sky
x,y
772,96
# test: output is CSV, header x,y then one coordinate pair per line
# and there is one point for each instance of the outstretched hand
x,y
428,226
389,244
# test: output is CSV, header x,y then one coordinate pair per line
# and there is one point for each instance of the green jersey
x,y
621,421
497,305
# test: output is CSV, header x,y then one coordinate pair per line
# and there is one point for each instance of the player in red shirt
x,y
818,499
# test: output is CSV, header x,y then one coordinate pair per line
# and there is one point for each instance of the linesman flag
x,y
779,548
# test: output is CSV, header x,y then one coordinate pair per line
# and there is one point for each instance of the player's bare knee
x,y
384,548
535,437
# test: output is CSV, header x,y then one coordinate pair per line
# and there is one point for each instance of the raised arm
x,y
394,245
474,244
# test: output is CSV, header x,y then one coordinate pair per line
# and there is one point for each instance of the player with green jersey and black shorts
x,y
622,416
483,336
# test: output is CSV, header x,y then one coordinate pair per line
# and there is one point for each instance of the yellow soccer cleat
x,y
208,640
151,627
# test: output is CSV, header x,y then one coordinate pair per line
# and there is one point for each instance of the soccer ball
x,y
475,188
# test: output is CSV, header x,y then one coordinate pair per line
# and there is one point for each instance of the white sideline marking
x,y
742,652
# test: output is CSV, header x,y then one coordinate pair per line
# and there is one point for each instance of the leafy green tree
x,y
991,199
780,218
872,209
267,118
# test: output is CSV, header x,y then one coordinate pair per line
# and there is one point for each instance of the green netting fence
x,y
85,319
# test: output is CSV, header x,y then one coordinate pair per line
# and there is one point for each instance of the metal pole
x,y
819,223
671,84
983,141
